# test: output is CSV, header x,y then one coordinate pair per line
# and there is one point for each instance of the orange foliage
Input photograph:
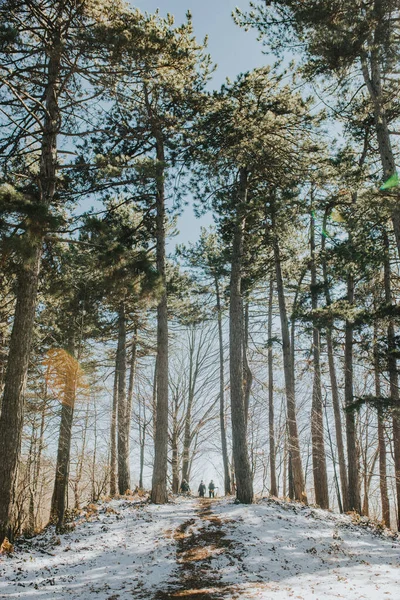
x,y
64,376
6,547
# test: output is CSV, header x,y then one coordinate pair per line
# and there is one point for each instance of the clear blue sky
x,y
232,49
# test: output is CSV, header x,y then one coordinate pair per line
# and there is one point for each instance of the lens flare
x,y
392,182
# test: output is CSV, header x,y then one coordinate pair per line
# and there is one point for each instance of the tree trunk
x,y
317,419
271,426
244,484
81,460
285,464
334,384
224,444
154,399
94,496
142,438
187,437
247,374
124,476
29,476
293,317
175,454
3,357
372,78
393,376
58,502
11,419
381,438
294,444
335,476
354,500
132,376
338,421
38,458
290,478
142,447
113,434
382,470
367,482
159,493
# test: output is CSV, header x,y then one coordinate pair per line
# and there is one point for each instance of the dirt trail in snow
x,y
198,541
192,549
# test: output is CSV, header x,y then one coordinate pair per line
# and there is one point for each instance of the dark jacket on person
x,y
185,486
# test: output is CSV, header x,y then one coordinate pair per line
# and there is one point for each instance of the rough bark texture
x,y
381,439
159,483
271,426
3,357
371,69
317,420
124,477
247,374
113,435
244,484
154,399
396,445
11,420
393,376
354,500
294,444
334,384
373,79
58,502
224,444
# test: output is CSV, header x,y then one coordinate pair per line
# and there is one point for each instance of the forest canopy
x,y
265,352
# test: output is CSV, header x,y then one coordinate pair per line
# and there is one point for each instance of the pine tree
x,y
340,39
127,281
36,106
240,145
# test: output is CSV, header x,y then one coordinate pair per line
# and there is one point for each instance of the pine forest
x,y
200,282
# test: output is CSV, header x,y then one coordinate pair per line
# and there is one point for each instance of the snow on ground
x,y
288,550
271,550
124,550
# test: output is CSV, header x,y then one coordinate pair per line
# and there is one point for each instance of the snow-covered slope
x,y
293,551
124,548
271,550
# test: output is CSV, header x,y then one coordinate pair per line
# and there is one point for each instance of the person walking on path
x,y
211,489
202,489
185,488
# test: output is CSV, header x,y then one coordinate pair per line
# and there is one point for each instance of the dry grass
x,y
198,592
200,553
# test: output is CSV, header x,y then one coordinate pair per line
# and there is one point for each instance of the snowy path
x,y
206,551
